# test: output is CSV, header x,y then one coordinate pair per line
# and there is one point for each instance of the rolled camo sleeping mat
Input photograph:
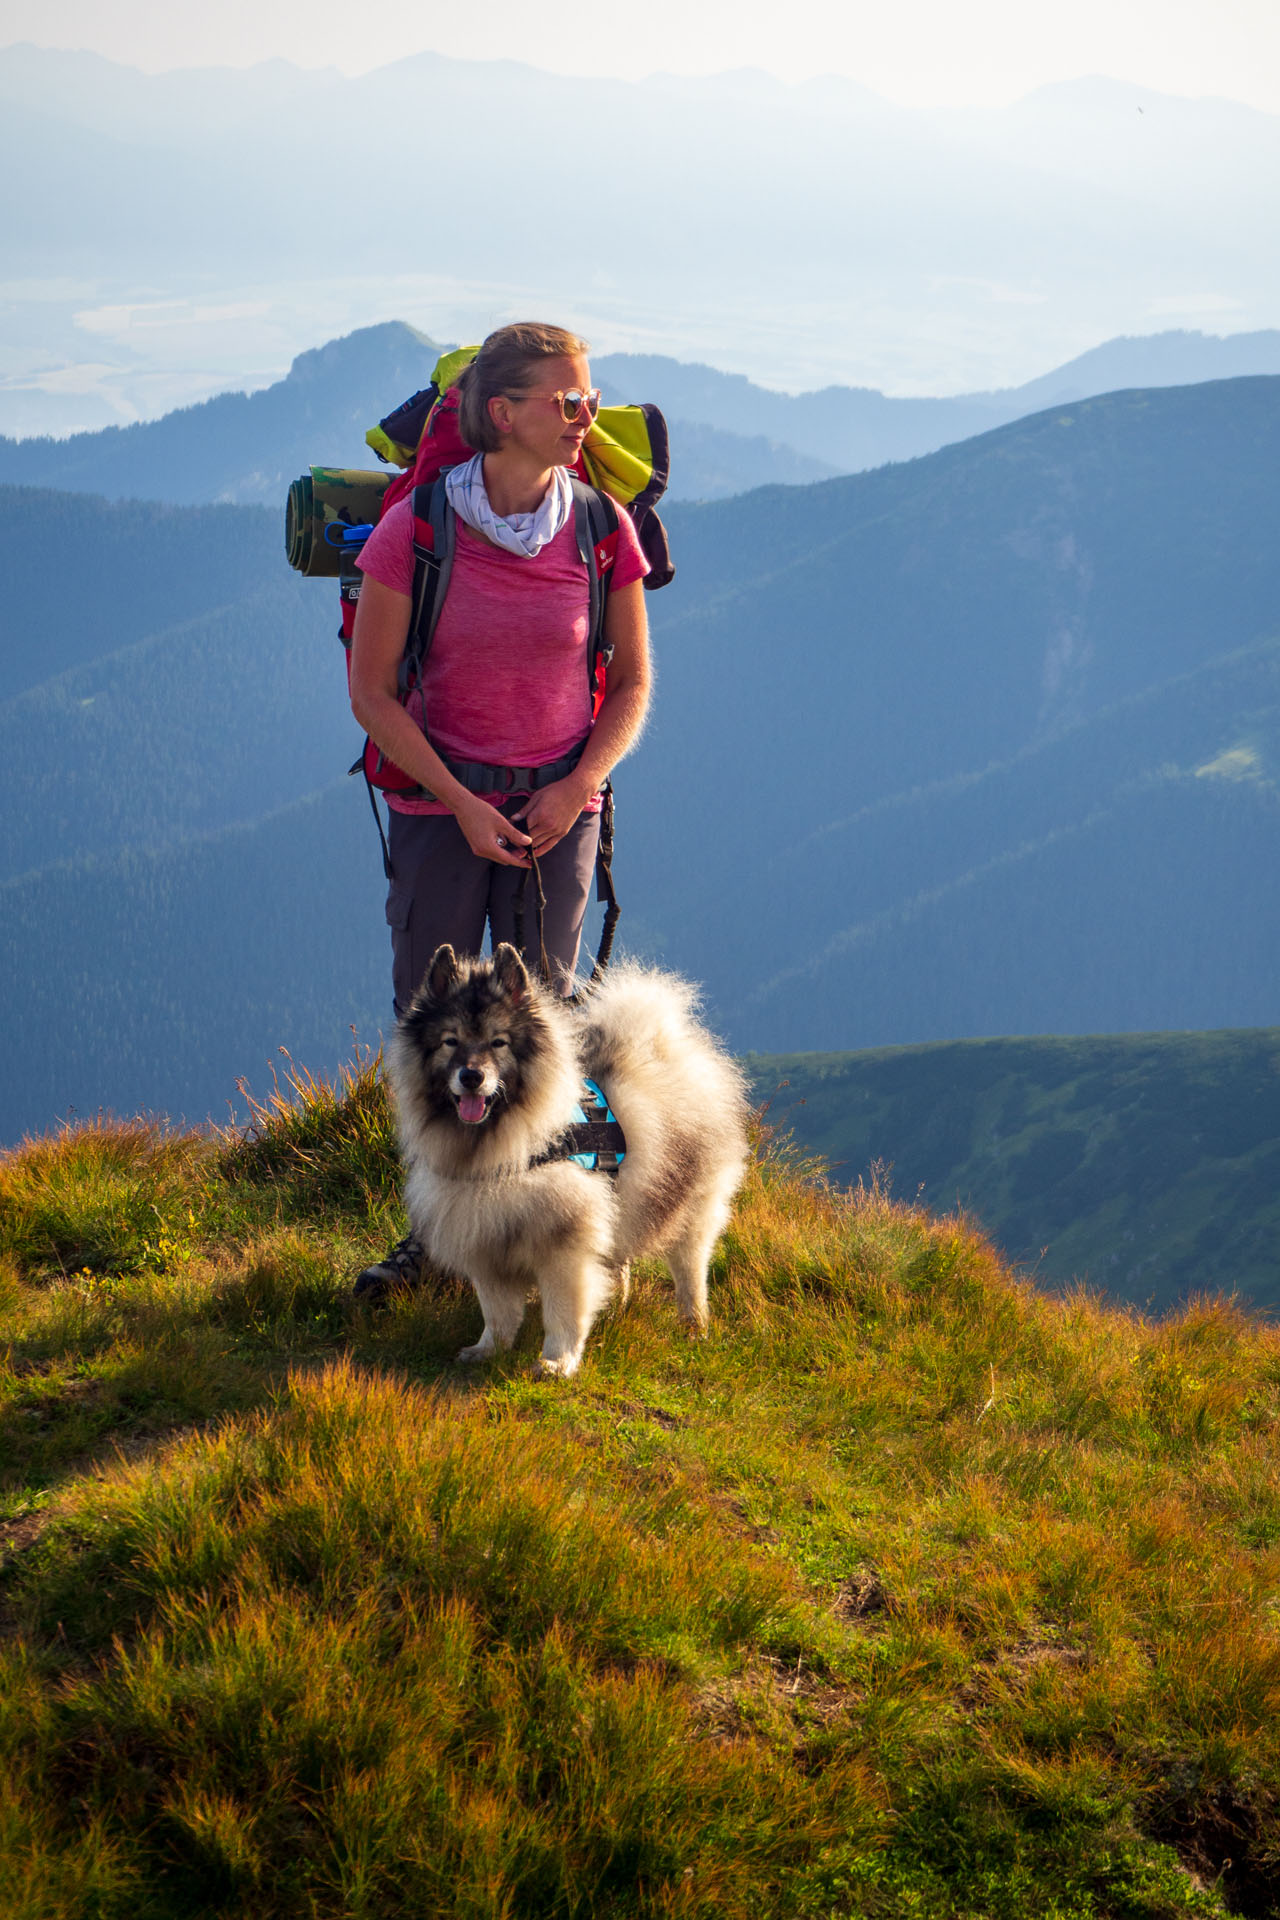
x,y
329,497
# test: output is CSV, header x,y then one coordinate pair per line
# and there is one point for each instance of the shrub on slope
x,y
905,1591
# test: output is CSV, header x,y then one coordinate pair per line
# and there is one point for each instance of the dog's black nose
x,y
470,1078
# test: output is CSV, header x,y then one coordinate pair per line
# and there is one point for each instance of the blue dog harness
x,y
594,1138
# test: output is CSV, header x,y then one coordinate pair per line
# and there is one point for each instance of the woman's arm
x,y
382,627
550,813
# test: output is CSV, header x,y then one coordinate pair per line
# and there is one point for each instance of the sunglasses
x,y
575,402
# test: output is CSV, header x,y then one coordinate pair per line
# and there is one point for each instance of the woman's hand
x,y
548,814
489,834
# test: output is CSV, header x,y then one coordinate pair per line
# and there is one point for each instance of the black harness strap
x,y
358,766
432,567
595,519
480,776
597,1134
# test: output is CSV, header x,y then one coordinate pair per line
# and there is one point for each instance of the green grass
x,y
907,1591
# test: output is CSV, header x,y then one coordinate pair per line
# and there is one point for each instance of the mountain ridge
x,y
1026,772
729,434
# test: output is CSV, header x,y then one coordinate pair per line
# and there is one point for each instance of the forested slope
x,y
986,743
1145,1165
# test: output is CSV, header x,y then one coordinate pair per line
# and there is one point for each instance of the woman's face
x,y
533,421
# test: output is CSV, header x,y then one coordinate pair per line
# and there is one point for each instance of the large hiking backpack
x,y
331,512
625,454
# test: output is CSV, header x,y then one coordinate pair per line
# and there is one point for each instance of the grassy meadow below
x,y
908,1591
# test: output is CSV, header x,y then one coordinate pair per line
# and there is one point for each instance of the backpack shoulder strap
x,y
595,519
435,530
596,523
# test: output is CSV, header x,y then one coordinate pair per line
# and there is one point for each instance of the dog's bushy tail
x,y
641,1023
640,1012
682,1102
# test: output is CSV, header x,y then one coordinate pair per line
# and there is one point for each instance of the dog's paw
x,y
694,1325
467,1356
556,1369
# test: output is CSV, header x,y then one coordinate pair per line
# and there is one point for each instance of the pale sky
x,y
918,52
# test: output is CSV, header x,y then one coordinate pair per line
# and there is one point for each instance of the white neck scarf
x,y
522,533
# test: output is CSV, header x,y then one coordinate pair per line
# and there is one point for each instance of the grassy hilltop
x,y
909,1591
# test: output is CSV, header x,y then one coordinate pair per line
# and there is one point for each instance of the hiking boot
x,y
401,1272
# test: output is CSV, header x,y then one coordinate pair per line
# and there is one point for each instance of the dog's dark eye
x,y
449,1040
501,1040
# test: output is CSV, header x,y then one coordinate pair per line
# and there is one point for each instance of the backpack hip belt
x,y
477,776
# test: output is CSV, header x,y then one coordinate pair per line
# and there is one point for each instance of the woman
x,y
505,682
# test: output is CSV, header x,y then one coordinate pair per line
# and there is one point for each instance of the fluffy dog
x,y
487,1068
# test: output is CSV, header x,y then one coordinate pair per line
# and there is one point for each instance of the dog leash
x,y
540,910
604,875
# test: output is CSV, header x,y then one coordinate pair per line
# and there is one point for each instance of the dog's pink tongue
x,y
471,1106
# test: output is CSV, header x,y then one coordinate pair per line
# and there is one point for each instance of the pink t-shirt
x,y
506,677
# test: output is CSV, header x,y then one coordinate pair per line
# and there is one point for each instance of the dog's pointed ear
x,y
442,973
509,972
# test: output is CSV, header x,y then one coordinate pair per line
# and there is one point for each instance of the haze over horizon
x,y
923,53
179,241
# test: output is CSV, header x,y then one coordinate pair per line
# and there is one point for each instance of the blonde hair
x,y
506,364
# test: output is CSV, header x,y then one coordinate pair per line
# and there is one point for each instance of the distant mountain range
x,y
184,230
728,435
853,428
247,447
985,742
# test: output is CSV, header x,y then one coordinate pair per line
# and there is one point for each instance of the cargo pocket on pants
x,y
399,906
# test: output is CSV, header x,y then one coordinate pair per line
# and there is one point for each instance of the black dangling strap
x,y
540,909
518,915
604,889
541,912
359,767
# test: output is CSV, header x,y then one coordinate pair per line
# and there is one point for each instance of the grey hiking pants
x,y
442,891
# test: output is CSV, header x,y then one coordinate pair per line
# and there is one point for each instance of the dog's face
x,y
475,1030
